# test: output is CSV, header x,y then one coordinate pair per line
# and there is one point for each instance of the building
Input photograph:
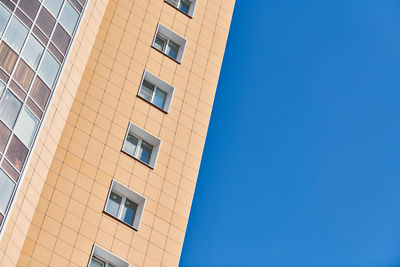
x,y
104,111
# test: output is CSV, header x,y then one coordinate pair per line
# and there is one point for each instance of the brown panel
x,y
35,109
17,90
45,22
30,7
61,39
1,219
77,5
3,76
82,2
38,33
4,135
10,170
56,53
40,93
16,153
23,18
7,58
23,75
8,4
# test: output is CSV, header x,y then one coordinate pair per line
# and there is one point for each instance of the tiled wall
x,y
69,216
37,169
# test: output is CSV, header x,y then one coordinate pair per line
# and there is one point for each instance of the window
x,y
48,69
141,145
26,126
156,91
69,17
16,34
125,205
4,16
32,53
102,258
53,6
9,109
6,190
186,6
169,43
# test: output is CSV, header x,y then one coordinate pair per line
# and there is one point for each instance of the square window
x,y
156,91
16,34
141,145
103,258
26,126
4,17
69,17
186,6
48,69
9,109
53,6
169,43
33,51
125,204
6,190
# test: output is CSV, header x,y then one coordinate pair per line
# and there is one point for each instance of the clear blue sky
x,y
302,160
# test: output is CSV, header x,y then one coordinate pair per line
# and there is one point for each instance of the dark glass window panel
x,y
128,212
5,15
9,169
145,152
159,98
38,33
54,51
82,2
45,22
9,109
4,135
7,58
173,50
6,191
69,18
77,5
113,204
16,153
61,39
1,219
40,93
23,75
35,109
23,18
30,7
17,90
3,76
184,6
8,4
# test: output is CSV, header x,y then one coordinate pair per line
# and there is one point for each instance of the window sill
x,y
179,62
144,163
163,110
189,16
121,221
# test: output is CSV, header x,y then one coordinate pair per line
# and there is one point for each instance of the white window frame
x,y
127,193
175,3
169,36
106,257
142,135
160,85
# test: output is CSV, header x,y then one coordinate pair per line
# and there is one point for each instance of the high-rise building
x,y
104,110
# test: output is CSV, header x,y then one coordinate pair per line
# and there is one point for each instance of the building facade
x,y
104,110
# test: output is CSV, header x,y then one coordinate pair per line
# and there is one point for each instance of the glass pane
x,y
16,153
130,144
23,75
96,263
69,17
4,16
53,6
45,22
146,90
113,204
4,135
2,87
40,93
159,43
48,69
61,39
159,98
33,51
173,50
145,152
6,190
26,127
30,7
9,109
7,57
128,212
16,34
184,6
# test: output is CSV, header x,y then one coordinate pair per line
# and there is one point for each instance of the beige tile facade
x,y
58,214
